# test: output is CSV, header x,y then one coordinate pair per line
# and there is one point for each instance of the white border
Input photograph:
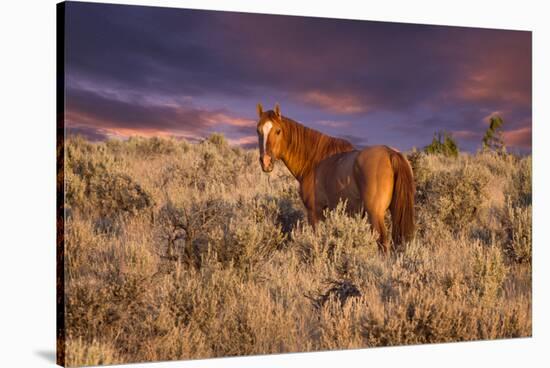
x,y
27,180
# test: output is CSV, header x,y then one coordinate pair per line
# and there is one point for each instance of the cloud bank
x,y
133,70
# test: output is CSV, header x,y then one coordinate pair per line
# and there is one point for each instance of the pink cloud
x,y
248,140
519,137
497,79
342,104
119,118
223,118
466,134
334,124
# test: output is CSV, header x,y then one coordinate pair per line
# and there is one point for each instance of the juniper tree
x,y
443,144
493,140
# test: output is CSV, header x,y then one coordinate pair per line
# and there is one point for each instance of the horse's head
x,y
270,136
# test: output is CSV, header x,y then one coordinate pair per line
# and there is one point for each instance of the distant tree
x,y
442,144
493,140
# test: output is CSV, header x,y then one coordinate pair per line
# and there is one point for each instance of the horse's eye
x,y
278,131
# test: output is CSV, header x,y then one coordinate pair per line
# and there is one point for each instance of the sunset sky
x,y
133,70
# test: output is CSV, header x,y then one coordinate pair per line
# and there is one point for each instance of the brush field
x,y
179,251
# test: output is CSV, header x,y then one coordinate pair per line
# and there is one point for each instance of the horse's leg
x,y
374,176
312,217
307,192
315,214
376,220
375,207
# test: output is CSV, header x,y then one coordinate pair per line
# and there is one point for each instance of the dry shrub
x,y
497,163
341,290
454,195
333,237
218,140
519,241
338,324
185,228
520,188
93,182
489,272
289,213
245,243
113,194
94,353
83,161
147,147
224,229
211,257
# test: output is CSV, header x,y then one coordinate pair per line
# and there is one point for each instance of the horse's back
x,y
374,155
363,178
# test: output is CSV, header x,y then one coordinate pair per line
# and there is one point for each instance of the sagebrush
x,y
179,251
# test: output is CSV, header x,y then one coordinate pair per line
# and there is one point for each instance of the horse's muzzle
x,y
266,163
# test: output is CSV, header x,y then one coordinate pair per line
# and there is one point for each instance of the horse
x,y
330,170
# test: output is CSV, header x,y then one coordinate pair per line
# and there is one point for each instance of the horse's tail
x,y
402,201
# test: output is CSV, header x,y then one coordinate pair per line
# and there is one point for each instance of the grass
x,y
182,251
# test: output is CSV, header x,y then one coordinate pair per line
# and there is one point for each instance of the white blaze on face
x,y
266,129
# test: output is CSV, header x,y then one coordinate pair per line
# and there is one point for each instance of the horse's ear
x,y
260,110
278,110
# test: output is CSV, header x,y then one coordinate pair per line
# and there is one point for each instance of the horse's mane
x,y
306,147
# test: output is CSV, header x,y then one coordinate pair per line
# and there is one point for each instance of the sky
x,y
150,71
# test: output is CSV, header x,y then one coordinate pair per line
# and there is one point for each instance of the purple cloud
x,y
133,69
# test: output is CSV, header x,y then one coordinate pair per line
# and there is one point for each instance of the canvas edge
x,y
60,180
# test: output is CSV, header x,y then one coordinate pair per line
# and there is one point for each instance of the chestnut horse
x,y
331,169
